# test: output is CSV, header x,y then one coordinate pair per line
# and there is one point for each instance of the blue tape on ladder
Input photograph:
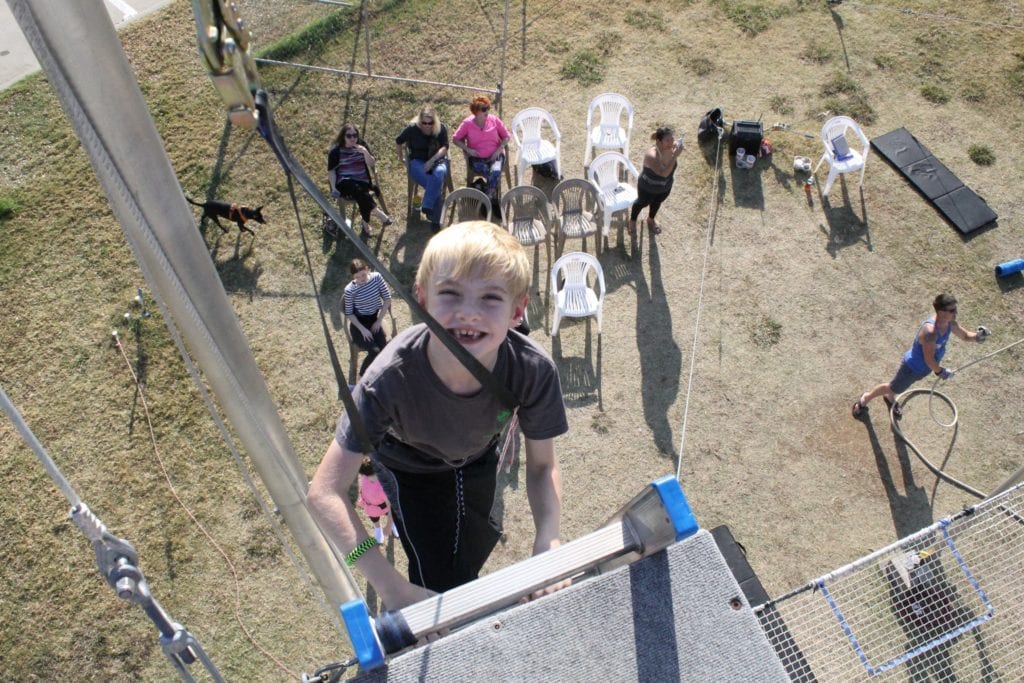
x,y
362,634
676,505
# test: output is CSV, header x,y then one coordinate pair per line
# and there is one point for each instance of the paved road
x,y
16,57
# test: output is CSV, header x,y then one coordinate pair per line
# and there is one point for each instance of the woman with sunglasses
x,y
423,147
483,137
349,163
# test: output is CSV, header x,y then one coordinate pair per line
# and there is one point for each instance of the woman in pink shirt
x,y
483,137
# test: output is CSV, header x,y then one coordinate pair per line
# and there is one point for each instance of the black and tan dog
x,y
216,209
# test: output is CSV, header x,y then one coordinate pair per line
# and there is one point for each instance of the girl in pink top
x,y
373,500
483,137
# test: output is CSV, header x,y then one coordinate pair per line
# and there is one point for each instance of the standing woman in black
x,y
655,182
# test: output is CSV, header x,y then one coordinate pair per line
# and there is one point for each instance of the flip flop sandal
x,y
655,228
858,409
894,408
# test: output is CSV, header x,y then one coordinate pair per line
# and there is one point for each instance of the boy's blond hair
x,y
476,249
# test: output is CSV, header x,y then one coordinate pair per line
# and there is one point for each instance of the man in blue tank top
x,y
924,356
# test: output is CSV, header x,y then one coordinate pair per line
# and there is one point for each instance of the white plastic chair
x,y
615,195
608,132
835,130
465,204
576,203
577,297
531,147
525,214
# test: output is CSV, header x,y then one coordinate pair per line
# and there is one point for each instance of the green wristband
x,y
357,552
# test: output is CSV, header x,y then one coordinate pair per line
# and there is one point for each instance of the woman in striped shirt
x,y
367,301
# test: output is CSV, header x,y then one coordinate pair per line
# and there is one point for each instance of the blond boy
x,y
434,428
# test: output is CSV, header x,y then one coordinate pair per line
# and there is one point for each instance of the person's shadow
x,y
911,511
660,357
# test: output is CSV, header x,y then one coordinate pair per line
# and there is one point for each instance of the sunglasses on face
x,y
352,136
484,109
950,310
427,123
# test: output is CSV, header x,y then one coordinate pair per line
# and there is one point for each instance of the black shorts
x,y
444,520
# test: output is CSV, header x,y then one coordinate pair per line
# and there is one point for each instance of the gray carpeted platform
x,y
678,615
958,203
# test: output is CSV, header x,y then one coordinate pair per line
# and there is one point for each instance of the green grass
x,y
780,105
700,66
935,94
1015,76
766,333
315,37
8,207
844,95
981,155
586,67
755,17
644,18
819,52
974,92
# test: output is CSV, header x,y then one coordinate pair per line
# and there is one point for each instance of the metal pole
x,y
501,69
523,56
80,52
345,72
366,27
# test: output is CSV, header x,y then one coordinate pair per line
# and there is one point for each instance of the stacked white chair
x,y
576,203
606,129
840,156
605,173
532,147
576,297
465,204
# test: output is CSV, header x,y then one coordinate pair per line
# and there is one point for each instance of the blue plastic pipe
x,y
1010,267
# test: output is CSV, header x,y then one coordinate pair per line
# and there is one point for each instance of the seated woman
x,y
426,139
367,300
484,138
655,182
348,166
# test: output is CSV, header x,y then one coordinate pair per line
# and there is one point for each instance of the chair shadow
x,y
845,228
660,356
580,376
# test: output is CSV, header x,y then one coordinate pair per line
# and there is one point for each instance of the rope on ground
x,y
191,516
712,212
954,423
300,568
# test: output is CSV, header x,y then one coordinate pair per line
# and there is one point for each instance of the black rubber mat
x,y
958,203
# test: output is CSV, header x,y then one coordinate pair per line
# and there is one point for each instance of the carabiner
x,y
223,43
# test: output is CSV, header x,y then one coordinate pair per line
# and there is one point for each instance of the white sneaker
x,y
394,530
378,533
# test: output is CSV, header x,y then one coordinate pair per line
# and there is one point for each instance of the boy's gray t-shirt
x,y
401,396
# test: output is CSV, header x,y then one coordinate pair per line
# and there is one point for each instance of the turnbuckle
x,y
223,42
